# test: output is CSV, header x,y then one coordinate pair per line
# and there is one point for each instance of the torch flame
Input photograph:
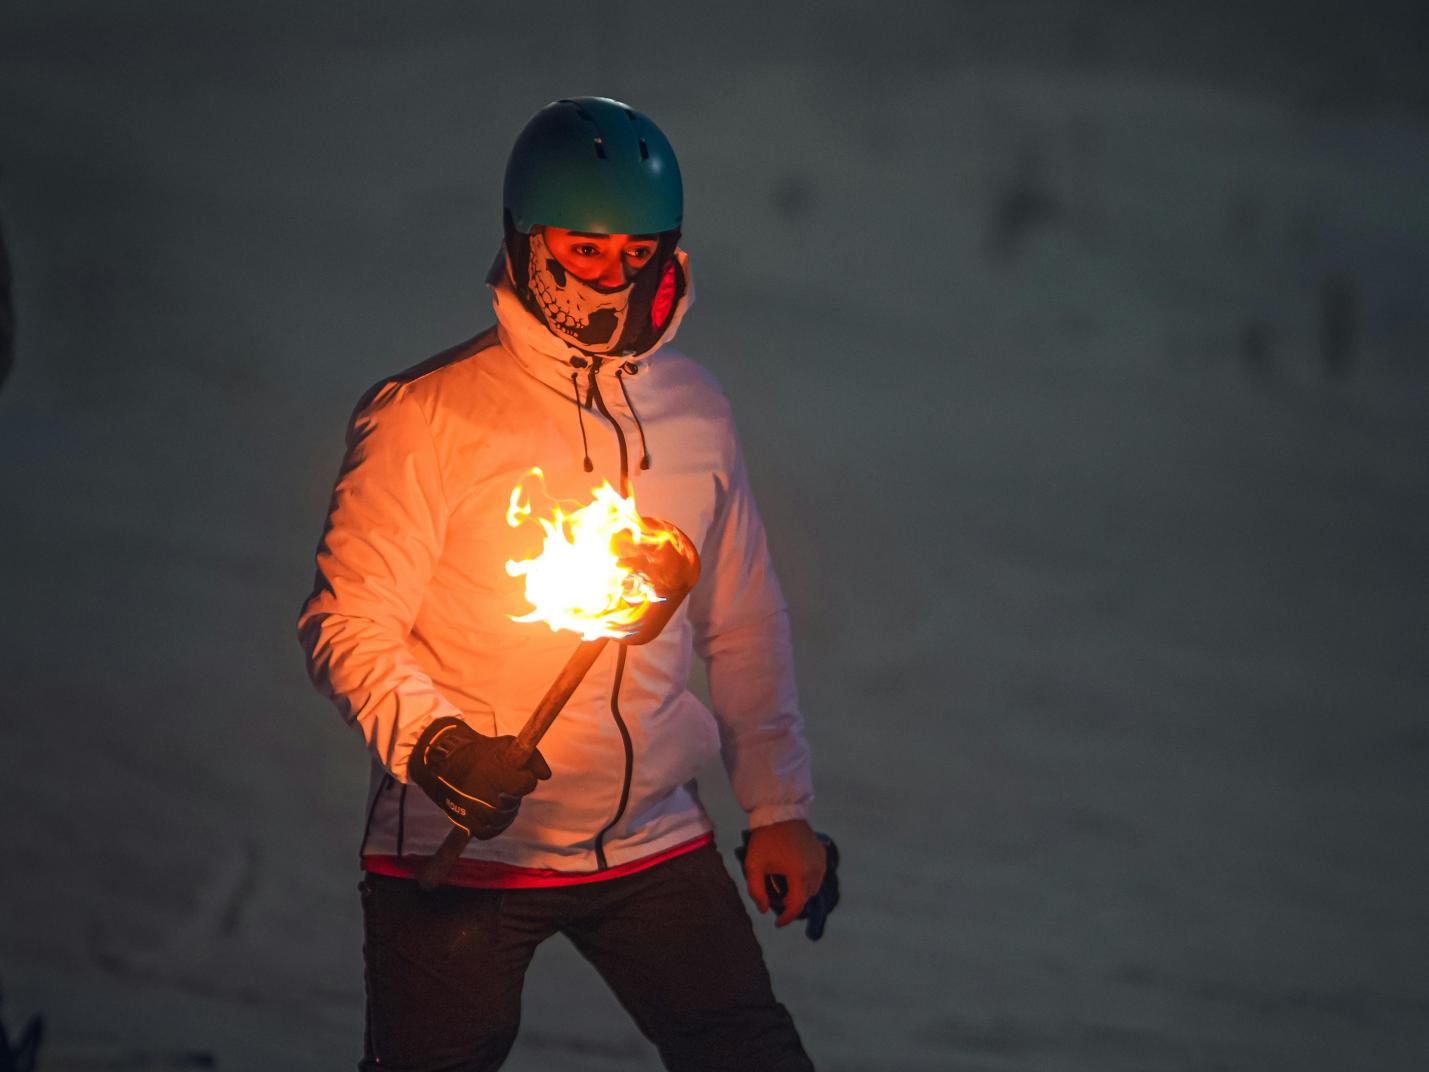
x,y
580,581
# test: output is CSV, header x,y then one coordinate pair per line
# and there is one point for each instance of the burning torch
x,y
606,573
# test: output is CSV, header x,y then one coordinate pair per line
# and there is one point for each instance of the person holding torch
x,y
572,410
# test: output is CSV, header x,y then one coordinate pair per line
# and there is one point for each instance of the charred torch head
x,y
671,565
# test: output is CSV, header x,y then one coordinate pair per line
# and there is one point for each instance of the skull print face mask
x,y
592,316
627,321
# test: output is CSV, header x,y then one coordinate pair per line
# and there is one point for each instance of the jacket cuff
x,y
769,814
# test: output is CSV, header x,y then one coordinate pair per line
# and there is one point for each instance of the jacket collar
x,y
547,356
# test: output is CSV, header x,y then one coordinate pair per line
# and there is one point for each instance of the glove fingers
x,y
538,766
817,916
516,782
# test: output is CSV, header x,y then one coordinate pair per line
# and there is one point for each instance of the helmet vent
x,y
644,150
600,148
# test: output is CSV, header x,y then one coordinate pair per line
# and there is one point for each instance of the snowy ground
x,y
1110,600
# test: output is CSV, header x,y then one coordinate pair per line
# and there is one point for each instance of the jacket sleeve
x,y
383,537
741,630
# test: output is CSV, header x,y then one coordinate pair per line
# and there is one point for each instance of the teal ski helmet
x,y
593,164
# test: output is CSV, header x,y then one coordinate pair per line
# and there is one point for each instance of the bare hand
x,y
790,849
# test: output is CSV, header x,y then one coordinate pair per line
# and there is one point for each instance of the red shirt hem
x,y
492,875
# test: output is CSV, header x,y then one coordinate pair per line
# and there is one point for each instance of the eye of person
x,y
639,253
585,249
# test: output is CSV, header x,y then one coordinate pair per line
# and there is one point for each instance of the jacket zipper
x,y
625,489
619,435
600,861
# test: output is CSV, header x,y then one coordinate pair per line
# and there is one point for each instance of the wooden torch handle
x,y
561,690
439,864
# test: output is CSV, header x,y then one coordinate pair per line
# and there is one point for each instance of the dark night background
x,y
1081,352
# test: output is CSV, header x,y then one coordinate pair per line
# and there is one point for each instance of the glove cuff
x,y
441,737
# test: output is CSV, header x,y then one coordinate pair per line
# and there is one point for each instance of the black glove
x,y
471,777
817,908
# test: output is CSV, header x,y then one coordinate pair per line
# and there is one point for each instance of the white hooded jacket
x,y
410,619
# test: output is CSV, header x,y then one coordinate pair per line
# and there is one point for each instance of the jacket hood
x,y
540,350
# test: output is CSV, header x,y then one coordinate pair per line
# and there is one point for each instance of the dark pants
x,y
674,942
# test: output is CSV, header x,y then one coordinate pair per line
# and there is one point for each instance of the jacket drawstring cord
x,y
644,449
576,398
